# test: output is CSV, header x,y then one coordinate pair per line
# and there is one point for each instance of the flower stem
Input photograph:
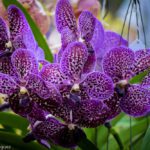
x,y
115,135
95,138
130,133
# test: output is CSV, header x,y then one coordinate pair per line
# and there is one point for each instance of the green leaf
x,y
85,143
146,140
138,78
90,133
124,133
37,34
14,121
16,142
117,119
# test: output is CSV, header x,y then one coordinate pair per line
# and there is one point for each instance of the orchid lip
x,y
75,87
8,44
121,87
123,82
23,90
71,126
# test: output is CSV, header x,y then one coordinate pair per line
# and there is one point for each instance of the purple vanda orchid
x,y
17,35
121,64
27,87
79,91
70,32
57,132
90,31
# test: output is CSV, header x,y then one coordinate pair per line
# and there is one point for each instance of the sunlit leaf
x,y
16,142
14,121
146,140
138,78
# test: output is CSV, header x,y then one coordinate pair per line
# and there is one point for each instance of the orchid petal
x,y
89,113
52,74
67,36
113,105
3,35
24,62
136,101
142,61
111,41
58,133
43,94
20,27
7,84
73,60
38,86
87,25
20,103
117,62
98,86
6,66
98,37
65,16
39,54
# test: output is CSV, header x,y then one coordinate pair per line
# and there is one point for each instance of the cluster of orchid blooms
x,y
87,85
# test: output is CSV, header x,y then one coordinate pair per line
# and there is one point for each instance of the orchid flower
x,y
121,64
27,87
17,35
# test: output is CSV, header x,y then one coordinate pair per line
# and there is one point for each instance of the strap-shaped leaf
x,y
138,78
15,141
14,121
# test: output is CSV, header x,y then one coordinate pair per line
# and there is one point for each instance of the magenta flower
x,y
27,87
79,91
17,35
121,64
57,132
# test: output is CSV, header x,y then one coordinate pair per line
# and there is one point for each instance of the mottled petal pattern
x,y
89,113
3,35
20,103
73,60
20,27
37,114
38,86
87,25
98,86
52,74
7,84
18,42
67,36
58,133
65,16
136,102
113,106
6,66
142,61
24,62
117,62
141,53
146,81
